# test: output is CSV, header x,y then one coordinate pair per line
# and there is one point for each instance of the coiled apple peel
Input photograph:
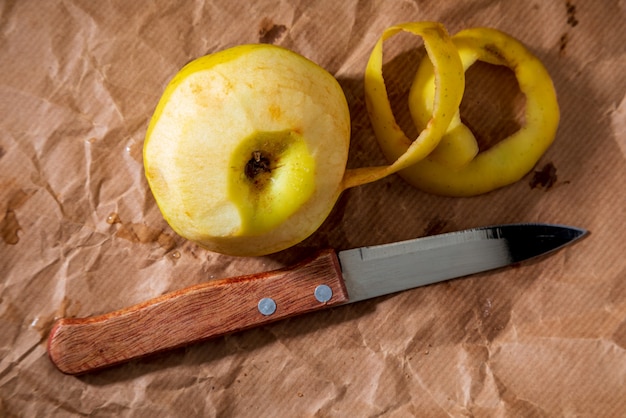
x,y
455,167
449,83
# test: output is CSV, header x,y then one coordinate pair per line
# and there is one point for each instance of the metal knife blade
x,y
383,269
218,307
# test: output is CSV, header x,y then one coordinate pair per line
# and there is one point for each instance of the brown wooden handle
x,y
78,345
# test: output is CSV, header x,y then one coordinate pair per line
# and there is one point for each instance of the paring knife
x,y
78,345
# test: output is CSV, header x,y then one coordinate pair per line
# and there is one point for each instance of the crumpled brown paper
x,y
81,234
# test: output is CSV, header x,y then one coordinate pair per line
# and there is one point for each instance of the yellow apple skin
x,y
246,151
456,167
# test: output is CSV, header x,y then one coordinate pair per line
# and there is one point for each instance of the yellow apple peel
x,y
514,156
456,167
449,81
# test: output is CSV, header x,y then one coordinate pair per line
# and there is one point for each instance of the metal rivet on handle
x,y
323,293
267,306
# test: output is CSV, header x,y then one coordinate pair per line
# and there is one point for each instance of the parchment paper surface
x,y
81,233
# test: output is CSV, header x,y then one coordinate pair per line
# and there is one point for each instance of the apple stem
x,y
257,164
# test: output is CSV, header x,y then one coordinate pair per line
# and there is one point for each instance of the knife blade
x,y
219,307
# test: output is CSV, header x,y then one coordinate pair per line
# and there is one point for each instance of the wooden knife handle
x,y
78,345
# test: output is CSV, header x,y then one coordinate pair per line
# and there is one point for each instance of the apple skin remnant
x,y
247,148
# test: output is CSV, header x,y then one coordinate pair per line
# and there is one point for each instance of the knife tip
x,y
576,232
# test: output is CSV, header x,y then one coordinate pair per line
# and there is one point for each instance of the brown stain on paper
x,y
9,225
435,226
563,43
571,21
44,324
135,150
269,32
544,178
571,14
9,228
11,313
141,233
113,218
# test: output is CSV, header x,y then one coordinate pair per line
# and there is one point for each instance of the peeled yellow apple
x,y
246,151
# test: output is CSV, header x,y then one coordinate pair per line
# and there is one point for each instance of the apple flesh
x,y
247,148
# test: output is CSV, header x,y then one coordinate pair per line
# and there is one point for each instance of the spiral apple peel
x,y
455,167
